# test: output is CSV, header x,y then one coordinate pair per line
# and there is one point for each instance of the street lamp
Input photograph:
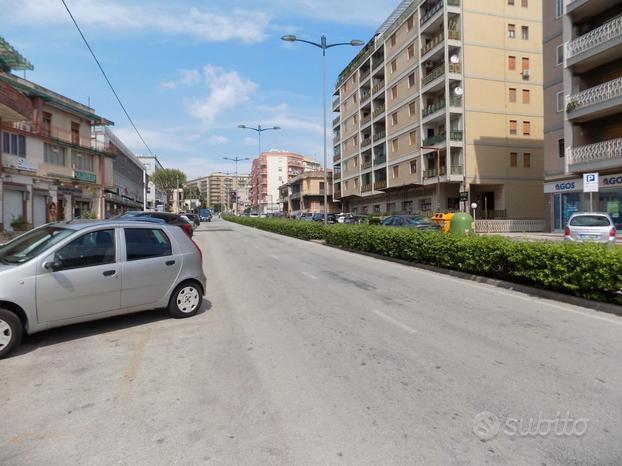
x,y
237,181
259,130
324,46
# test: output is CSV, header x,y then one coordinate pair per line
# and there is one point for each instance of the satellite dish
x,y
454,59
458,91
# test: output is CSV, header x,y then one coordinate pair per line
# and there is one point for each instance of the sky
x,y
190,71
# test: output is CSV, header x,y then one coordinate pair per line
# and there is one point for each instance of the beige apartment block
x,y
305,194
223,189
443,108
582,107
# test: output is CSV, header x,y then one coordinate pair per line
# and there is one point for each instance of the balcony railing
x,y
337,194
380,184
453,2
379,111
456,170
336,139
380,159
364,75
436,139
434,74
455,102
336,102
378,87
437,39
336,157
379,135
432,11
606,150
454,35
607,31
433,108
366,142
367,164
455,135
595,95
336,176
431,173
336,121
365,120
455,68
60,134
365,96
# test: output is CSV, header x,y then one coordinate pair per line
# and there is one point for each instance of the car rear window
x,y
590,221
145,243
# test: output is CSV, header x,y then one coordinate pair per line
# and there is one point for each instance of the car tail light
x,y
198,248
187,228
612,232
567,233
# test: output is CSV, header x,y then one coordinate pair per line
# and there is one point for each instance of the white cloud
x,y
249,141
227,89
203,24
187,77
218,140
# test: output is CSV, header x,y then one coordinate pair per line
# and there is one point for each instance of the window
x,y
146,243
413,138
511,63
511,31
524,3
524,32
393,40
410,23
413,167
89,250
512,95
395,145
560,101
513,126
411,80
355,141
393,66
526,128
411,51
525,63
511,2
394,118
82,161
559,8
394,92
75,133
14,144
47,124
513,159
527,160
561,151
377,208
412,108
526,96
559,55
396,171
54,155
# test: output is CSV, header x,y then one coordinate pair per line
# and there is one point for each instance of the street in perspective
x,y
359,233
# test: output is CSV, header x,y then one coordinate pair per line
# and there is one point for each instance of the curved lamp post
x,y
236,160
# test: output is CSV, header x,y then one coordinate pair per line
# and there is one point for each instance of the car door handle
x,y
169,263
109,273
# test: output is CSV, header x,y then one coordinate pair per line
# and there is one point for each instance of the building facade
x,y
443,108
273,169
129,176
305,194
582,107
156,199
224,189
51,168
202,185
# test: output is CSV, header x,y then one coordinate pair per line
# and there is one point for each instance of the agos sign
x,y
614,180
566,186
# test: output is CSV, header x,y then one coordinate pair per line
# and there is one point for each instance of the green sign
x,y
85,176
464,196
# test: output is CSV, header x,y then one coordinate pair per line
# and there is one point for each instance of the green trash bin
x,y
462,224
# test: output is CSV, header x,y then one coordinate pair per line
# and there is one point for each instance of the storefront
x,y
566,197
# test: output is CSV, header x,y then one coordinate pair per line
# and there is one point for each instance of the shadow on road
x,y
98,327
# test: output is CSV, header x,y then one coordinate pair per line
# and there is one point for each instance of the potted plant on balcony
x,y
571,106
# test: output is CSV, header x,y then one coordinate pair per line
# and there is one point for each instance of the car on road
x,y
69,272
594,227
411,221
181,221
194,218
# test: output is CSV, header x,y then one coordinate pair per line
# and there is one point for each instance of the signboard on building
x,y
590,183
85,176
24,165
464,196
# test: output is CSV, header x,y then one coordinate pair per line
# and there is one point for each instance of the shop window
x,y
14,144
407,206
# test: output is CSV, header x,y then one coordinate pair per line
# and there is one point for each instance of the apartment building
x,y
305,194
225,188
201,184
273,169
582,107
51,167
129,176
156,199
443,108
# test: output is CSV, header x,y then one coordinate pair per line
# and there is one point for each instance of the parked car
x,y
411,221
319,217
69,272
181,221
345,218
306,216
593,227
194,218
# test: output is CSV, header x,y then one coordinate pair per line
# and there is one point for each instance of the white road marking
x,y
274,257
401,325
312,277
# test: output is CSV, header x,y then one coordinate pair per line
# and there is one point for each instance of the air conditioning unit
x,y
526,74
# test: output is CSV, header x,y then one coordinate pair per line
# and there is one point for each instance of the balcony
x,y
337,194
366,165
434,108
455,102
434,74
380,184
595,102
456,170
455,68
380,159
431,173
364,75
437,39
599,156
365,96
595,48
366,187
366,142
436,139
336,121
581,10
336,104
336,176
336,139
438,6
456,135
378,87
336,157
453,2
60,135
379,111
454,35
365,120
379,135
337,151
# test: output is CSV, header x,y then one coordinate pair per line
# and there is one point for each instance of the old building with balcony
x,y
583,107
305,194
52,168
442,108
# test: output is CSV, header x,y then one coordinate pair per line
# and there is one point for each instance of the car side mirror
x,y
52,266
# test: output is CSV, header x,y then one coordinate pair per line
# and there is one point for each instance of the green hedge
x,y
587,270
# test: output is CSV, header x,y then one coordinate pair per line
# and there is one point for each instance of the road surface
x,y
305,354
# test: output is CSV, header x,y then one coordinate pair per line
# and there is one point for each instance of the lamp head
x,y
356,42
242,126
276,127
289,38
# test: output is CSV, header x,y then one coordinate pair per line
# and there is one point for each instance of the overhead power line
x,y
106,77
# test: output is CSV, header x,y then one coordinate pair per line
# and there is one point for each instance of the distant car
x,y
411,221
306,216
171,219
194,218
205,215
254,215
345,218
319,217
69,272
591,227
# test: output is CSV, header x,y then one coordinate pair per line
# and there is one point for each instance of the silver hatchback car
x,y
70,272
593,227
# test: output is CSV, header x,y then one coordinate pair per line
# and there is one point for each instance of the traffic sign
x,y
590,182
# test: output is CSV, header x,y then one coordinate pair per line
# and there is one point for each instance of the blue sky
x,y
190,71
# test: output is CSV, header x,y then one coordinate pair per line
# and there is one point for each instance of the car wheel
x,y
185,301
11,331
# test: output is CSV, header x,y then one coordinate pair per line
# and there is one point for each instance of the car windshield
x,y
33,243
418,221
590,221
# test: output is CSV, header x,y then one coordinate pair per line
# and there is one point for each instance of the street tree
x,y
168,179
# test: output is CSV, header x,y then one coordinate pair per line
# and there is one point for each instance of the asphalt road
x,y
309,355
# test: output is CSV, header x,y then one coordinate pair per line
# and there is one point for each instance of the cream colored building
x,y
305,193
223,189
582,107
442,108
